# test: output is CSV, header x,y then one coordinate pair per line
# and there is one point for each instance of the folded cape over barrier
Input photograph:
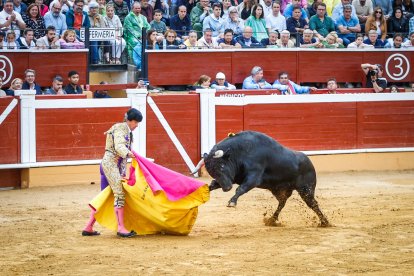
x,y
158,200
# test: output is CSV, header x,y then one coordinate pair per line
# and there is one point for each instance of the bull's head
x,y
220,166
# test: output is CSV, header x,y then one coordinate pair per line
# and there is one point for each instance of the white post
x,y
139,101
208,119
27,125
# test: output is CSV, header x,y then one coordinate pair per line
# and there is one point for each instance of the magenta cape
x,y
159,178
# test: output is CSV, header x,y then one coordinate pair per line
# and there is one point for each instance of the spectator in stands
x,y
285,3
199,13
321,23
118,44
164,7
270,42
121,9
207,41
407,7
245,8
311,10
395,42
147,10
275,21
76,18
191,41
374,79
247,40
288,87
397,23
19,6
308,41
181,22
363,9
295,24
393,89
331,85
69,41
377,23
73,86
359,43
34,21
171,41
332,41
152,43
225,10
411,25
338,11
157,24
102,7
10,19
29,83
134,23
64,4
284,40
228,41
101,94
410,42
2,92
347,26
374,40
256,80
288,12
203,82
56,18
220,83
386,6
50,40
27,40
214,22
257,22
234,22
97,21
56,88
16,84
10,42
43,9
2,38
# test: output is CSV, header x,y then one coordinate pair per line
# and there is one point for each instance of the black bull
x,y
252,159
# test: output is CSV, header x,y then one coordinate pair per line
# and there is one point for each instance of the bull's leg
x,y
249,183
281,196
308,196
213,185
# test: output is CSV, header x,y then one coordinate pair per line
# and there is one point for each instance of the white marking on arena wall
x,y
5,62
402,62
171,133
8,109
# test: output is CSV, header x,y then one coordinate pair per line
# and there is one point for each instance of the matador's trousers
x,y
113,167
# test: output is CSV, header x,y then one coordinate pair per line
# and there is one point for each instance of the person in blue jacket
x,y
256,80
288,87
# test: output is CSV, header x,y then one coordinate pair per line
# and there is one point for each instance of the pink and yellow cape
x,y
158,200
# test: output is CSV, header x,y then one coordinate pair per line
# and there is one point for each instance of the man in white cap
x,y
221,84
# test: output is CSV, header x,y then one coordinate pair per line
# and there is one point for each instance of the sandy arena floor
x,y
373,233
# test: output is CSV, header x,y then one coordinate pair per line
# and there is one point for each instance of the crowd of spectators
x,y
27,24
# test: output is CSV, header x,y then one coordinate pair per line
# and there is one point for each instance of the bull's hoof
x,y
231,204
272,222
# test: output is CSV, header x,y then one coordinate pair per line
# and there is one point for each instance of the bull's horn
x,y
198,167
218,154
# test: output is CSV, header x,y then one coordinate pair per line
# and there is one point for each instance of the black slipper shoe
x,y
127,235
87,233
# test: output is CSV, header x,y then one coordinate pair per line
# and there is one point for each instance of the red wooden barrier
x,y
9,130
302,65
47,64
182,113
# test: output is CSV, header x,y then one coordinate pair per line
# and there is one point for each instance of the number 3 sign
x,y
6,69
397,66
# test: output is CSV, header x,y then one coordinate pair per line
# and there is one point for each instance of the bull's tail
x,y
198,167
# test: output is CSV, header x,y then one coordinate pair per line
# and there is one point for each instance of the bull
x,y
253,159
